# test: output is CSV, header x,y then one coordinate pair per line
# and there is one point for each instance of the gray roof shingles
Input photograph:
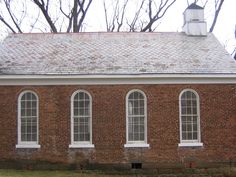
x,y
113,54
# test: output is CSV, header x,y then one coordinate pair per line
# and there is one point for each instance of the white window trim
x,y
136,143
26,144
88,145
190,143
82,144
30,146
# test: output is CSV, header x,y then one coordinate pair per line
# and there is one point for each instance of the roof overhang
x,y
117,79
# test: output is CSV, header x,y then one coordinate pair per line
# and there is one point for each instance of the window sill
x,y
136,145
29,146
81,146
190,144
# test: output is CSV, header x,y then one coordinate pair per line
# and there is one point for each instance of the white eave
x,y
117,79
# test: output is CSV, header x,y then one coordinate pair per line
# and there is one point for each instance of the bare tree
x,y
164,5
44,9
68,16
218,5
74,15
15,26
117,15
133,24
147,13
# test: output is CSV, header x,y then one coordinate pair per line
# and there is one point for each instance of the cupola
x,y
194,24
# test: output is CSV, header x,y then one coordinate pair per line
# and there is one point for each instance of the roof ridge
x,y
99,32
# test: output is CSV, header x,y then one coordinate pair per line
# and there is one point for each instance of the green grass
x,y
226,172
20,173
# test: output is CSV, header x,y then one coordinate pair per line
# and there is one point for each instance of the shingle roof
x,y
194,6
113,53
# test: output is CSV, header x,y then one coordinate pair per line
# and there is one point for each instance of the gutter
x,y
220,78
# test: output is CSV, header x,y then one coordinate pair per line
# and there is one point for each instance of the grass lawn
x,y
32,173
20,173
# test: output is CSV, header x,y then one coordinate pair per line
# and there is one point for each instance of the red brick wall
x,y
217,112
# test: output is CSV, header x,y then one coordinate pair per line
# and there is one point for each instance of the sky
x,y
173,20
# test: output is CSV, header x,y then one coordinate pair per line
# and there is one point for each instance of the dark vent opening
x,y
136,165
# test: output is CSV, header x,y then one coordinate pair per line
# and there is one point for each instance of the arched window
x,y
136,119
189,118
81,120
28,120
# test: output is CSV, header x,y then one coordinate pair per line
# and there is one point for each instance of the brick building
x,y
150,99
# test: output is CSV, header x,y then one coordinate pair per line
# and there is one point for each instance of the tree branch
x,y
105,13
135,19
122,16
216,15
44,10
7,4
84,12
162,9
9,26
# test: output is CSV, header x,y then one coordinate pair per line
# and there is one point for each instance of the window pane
x,y
184,128
136,137
141,138
194,127
87,135
183,103
34,137
76,137
81,104
23,129
81,137
28,137
81,96
195,135
76,104
34,112
136,128
195,119
23,137
76,111
28,96
189,127
194,110
184,136
189,136
189,110
184,118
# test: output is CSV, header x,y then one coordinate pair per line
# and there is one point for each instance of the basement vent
x,y
136,165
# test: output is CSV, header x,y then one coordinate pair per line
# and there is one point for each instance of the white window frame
x,y
81,144
190,143
26,144
133,144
